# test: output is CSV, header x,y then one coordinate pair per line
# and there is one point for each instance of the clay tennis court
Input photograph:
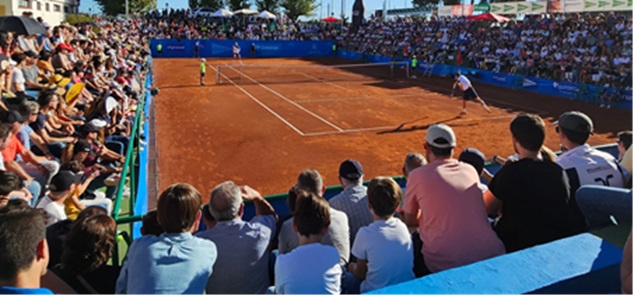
x,y
261,127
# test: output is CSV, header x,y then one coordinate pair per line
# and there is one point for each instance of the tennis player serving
x,y
468,93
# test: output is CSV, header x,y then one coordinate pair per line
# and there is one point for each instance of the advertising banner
x,y
173,48
573,6
532,7
504,8
461,10
444,10
481,7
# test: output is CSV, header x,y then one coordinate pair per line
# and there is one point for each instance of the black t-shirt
x,y
39,123
535,204
102,280
55,235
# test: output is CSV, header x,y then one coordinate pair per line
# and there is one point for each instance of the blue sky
x,y
370,5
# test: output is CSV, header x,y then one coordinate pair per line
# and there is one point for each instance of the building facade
x,y
52,11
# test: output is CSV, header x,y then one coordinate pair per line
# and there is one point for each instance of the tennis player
x,y
203,70
236,53
468,93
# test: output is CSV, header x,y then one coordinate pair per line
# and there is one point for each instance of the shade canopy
x,y
245,11
331,19
489,16
267,15
21,25
222,13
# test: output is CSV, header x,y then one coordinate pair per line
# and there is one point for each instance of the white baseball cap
x,y
440,136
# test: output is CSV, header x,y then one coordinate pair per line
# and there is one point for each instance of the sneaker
x,y
602,105
463,112
112,180
487,108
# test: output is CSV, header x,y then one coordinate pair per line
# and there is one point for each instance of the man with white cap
x,y
583,164
443,199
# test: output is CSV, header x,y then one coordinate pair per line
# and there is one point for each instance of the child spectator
x,y
174,262
311,268
60,188
386,235
150,224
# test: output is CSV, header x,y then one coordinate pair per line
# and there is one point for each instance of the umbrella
x,y
266,15
245,11
223,13
21,25
489,16
331,19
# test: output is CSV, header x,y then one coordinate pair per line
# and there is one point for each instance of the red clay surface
x,y
263,135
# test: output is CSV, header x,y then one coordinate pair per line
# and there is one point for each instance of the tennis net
x,y
271,74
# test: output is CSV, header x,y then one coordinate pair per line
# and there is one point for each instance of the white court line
x,y
262,104
286,99
387,128
366,97
327,82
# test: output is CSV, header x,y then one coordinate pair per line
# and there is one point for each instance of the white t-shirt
x,y
374,242
18,78
464,82
54,210
308,269
592,167
236,49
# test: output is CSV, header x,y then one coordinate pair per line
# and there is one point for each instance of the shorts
x,y
236,55
469,94
202,74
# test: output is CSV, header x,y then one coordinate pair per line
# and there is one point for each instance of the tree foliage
x,y
269,5
215,4
427,4
116,7
296,8
77,18
238,4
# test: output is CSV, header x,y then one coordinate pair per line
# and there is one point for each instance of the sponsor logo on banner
x,y
536,6
508,8
501,78
566,89
528,83
521,7
175,47
495,8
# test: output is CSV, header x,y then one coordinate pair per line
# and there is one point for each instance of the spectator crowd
x,y
64,134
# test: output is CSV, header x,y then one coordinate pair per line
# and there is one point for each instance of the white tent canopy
x,y
266,15
245,11
223,13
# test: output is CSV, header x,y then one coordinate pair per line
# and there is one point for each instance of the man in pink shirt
x,y
443,199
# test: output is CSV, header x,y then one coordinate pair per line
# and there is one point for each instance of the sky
x,y
370,6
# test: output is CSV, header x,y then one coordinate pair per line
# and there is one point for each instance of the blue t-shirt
x,y
16,290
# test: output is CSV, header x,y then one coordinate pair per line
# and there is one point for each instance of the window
x,y
39,5
66,9
57,8
24,4
47,7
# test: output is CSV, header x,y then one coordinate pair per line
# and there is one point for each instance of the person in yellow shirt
x,y
203,70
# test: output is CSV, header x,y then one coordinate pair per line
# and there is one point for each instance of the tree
x,y
269,5
296,8
426,4
238,4
215,4
116,7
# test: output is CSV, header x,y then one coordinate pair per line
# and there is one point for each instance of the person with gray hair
x,y
33,131
243,256
353,199
338,234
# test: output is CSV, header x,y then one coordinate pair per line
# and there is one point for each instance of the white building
x,y
52,11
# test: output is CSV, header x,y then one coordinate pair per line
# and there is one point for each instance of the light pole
x,y
127,9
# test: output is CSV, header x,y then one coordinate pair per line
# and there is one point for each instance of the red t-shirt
x,y
14,147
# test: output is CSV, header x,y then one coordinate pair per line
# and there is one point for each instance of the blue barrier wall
x,y
174,48
575,91
565,266
141,202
